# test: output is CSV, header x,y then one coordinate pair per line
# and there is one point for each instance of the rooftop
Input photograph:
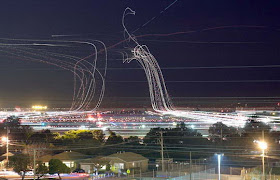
x,y
128,156
67,155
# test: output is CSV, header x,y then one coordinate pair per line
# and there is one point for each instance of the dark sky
x,y
230,52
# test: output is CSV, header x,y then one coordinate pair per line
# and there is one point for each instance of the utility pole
x,y
162,157
34,163
263,157
221,135
7,147
190,165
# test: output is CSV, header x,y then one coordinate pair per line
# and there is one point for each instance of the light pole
x,y
263,146
157,167
219,165
6,140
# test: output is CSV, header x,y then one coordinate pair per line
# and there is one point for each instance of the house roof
x,y
46,158
95,159
98,159
128,156
9,154
64,156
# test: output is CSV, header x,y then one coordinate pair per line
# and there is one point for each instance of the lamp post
x,y
219,165
263,146
6,140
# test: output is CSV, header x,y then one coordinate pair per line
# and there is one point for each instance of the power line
x,y
222,81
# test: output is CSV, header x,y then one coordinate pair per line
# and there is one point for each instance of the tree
x,y
80,138
76,135
98,135
98,164
41,170
256,127
180,136
113,138
57,166
153,136
220,131
172,136
42,148
84,134
71,135
253,130
183,135
16,131
134,140
12,122
20,164
43,136
108,167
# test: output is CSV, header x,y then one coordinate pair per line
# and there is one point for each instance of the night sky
x,y
232,50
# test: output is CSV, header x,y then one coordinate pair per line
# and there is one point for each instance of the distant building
x,y
94,165
127,160
118,162
3,160
69,158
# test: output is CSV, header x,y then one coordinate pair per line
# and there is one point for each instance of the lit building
x,y
69,158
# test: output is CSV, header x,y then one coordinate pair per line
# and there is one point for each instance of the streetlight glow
x,y
39,107
5,139
219,165
262,145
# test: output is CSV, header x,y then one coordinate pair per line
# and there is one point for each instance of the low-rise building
x,y
94,165
118,162
128,160
69,158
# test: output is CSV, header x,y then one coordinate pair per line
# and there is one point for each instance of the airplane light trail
x,y
89,71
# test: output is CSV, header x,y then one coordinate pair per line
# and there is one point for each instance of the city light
x,y
262,145
5,139
39,107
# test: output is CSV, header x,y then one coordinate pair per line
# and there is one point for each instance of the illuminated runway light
x,y
39,107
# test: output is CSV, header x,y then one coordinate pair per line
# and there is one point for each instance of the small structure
x,y
69,158
94,165
118,162
3,160
127,160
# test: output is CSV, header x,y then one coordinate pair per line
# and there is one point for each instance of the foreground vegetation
x,y
237,143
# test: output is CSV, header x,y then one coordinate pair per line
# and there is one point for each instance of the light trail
x,y
89,73
160,99
159,96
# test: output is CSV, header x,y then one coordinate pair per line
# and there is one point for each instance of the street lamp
x,y
219,165
263,146
6,140
157,165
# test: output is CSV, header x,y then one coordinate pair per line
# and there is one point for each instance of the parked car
x,y
27,173
5,172
79,171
